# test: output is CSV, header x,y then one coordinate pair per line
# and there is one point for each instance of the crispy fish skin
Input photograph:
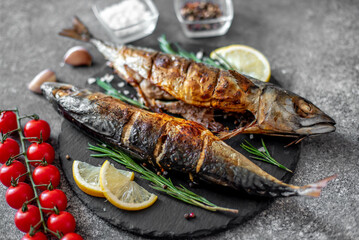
x,y
276,111
167,142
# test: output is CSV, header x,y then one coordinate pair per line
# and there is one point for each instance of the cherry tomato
x,y
40,151
8,148
45,175
31,217
36,236
12,171
16,196
72,236
52,198
8,121
33,128
63,222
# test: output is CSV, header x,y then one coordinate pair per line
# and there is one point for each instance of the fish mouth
x,y
317,125
49,89
316,129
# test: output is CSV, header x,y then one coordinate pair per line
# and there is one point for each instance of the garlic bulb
x,y
78,56
45,76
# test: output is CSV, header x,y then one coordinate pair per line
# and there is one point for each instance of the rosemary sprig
x,y
159,182
114,93
165,46
262,154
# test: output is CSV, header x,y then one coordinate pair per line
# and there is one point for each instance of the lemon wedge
x,y
87,177
245,60
121,191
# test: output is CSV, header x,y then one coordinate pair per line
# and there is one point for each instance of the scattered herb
x,y
262,154
114,93
158,181
166,47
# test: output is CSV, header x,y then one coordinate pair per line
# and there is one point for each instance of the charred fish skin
x,y
168,142
159,76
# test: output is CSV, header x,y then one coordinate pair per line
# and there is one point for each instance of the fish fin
x,y
314,189
223,135
78,31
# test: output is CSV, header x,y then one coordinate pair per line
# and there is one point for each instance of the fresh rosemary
x,y
159,182
166,47
114,93
262,154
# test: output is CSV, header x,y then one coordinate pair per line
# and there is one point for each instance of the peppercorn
x,y
189,215
194,11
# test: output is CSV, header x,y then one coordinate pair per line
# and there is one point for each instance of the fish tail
x,y
78,31
315,189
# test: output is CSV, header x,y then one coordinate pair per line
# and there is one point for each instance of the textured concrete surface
x,y
313,50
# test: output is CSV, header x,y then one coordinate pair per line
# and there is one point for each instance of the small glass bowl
x,y
207,27
128,32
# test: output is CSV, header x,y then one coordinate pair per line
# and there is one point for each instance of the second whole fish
x,y
170,143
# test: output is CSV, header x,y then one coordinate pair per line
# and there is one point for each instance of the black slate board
x,y
165,217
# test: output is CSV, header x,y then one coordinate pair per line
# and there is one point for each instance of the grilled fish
x,y
173,144
159,77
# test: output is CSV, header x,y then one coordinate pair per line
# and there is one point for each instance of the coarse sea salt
x,y
125,13
91,80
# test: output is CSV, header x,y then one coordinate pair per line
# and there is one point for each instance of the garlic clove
x,y
45,76
78,56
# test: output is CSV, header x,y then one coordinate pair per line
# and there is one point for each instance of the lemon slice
x,y
87,177
244,59
122,192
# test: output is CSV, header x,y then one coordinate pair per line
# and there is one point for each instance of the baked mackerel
x,y
173,144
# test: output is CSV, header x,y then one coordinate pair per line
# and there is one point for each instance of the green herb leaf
x,y
262,155
114,93
165,46
178,192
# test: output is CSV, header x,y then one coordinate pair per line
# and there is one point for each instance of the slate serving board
x,y
166,217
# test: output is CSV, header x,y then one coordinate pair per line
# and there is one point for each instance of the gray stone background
x,y
313,50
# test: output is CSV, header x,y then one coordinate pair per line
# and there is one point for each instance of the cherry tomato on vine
x,y
63,222
18,195
40,151
8,148
52,198
30,217
34,127
45,175
36,236
8,121
72,236
12,171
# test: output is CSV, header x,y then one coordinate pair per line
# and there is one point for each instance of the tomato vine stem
x,y
33,185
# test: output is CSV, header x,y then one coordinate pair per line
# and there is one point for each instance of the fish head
x,y
284,113
66,97
54,90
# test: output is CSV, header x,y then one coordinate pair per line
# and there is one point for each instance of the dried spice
x,y
197,11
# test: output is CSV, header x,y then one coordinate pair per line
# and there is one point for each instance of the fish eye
x,y
305,107
302,108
